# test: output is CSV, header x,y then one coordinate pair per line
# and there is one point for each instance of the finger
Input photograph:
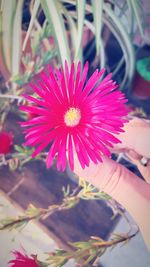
x,y
136,137
144,170
96,174
133,155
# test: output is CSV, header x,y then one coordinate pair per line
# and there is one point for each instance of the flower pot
x,y
141,87
141,84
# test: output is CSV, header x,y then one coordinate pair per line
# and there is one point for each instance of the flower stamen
x,y
72,117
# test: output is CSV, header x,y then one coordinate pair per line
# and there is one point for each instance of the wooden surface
x,y
43,187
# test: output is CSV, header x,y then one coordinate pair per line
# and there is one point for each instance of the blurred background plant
x,y
33,34
36,33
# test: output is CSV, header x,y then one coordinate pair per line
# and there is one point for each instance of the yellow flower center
x,y
72,117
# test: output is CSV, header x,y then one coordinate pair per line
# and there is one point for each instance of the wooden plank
x,y
41,187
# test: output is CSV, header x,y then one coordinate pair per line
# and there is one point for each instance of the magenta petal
x,y
39,131
40,148
102,148
70,152
89,151
90,84
41,138
64,87
51,88
61,158
81,84
71,83
35,110
34,121
35,100
66,72
77,80
22,260
52,152
81,155
37,90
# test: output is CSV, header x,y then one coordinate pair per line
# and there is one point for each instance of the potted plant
x,y
62,35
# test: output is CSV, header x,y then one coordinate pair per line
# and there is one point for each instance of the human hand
x,y
117,181
136,144
136,137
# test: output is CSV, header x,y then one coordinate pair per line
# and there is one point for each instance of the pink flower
x,y
22,260
6,140
74,115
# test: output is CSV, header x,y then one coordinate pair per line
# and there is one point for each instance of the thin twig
x,y
43,213
11,96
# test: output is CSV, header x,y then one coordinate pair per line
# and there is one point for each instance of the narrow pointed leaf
x,y
137,12
124,40
33,16
73,33
53,14
16,39
98,22
7,12
80,22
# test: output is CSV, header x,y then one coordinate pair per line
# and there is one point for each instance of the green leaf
x,y
33,16
81,245
92,28
80,21
21,80
73,33
137,12
53,14
16,38
130,19
42,264
48,56
13,223
7,13
13,164
102,51
117,28
19,148
6,221
32,211
98,22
